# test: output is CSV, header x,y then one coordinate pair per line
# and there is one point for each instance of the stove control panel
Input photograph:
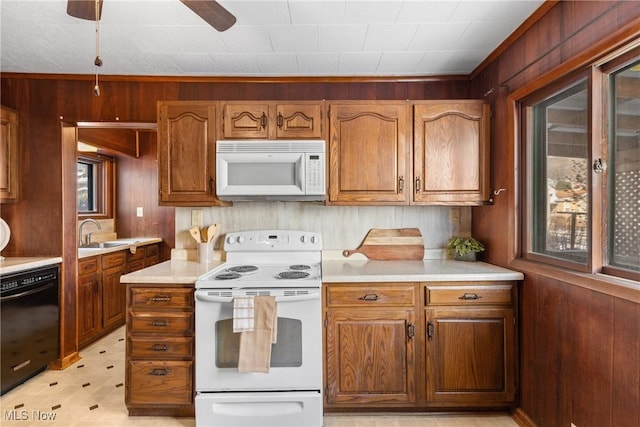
x,y
272,240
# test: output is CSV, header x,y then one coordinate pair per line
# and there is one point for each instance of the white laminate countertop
x,y
17,264
170,272
128,243
428,270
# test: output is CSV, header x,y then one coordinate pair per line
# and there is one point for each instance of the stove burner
x,y
292,275
242,268
299,267
228,276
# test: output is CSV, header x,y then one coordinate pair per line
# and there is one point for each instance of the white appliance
x,y
271,170
287,265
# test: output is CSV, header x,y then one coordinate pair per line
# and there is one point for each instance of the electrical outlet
x,y
197,217
454,216
139,212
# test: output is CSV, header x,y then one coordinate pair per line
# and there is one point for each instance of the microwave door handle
x,y
292,298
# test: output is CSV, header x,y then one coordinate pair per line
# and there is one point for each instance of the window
x,y
582,163
624,168
95,186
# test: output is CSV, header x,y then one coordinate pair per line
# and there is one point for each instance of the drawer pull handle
x,y
159,347
160,372
160,323
370,297
160,298
470,296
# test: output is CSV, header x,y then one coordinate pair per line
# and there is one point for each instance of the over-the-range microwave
x,y
286,170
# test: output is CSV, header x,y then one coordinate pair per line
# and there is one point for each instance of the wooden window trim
x,y
106,188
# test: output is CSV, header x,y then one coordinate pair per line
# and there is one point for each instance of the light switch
x,y
139,211
197,217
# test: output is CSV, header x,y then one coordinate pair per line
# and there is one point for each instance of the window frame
x,y
598,75
105,188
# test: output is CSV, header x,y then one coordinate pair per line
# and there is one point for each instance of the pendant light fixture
x,y
97,62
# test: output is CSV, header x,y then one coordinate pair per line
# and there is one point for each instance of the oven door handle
x,y
292,298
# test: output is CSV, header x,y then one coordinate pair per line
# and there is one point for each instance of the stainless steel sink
x,y
102,245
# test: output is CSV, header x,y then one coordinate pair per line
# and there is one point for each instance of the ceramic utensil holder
x,y
205,252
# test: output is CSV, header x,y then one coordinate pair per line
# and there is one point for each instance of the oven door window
x,y
285,353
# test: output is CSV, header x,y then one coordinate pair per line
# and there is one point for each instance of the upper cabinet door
x,y
186,153
8,155
246,120
451,152
369,152
299,120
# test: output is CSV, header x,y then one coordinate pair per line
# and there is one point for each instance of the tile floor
x,y
90,393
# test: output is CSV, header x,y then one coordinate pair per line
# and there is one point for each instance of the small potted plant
x,y
464,248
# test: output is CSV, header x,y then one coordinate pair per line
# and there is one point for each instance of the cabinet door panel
x,y
245,121
89,307
451,160
186,152
470,356
370,357
369,153
299,120
8,155
113,296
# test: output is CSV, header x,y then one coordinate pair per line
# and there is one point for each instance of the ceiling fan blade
x,y
212,12
84,9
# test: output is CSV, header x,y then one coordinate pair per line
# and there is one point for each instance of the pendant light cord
x,y
98,61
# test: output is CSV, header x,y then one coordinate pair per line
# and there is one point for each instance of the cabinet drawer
x,y
161,382
135,265
113,260
469,295
151,250
88,265
161,347
159,297
140,254
371,296
168,322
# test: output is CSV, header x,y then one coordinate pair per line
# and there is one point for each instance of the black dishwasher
x,y
29,311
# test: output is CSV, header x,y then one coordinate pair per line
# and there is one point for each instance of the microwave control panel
x,y
315,173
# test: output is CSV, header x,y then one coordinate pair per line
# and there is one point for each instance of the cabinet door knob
x,y
430,331
280,120
401,184
263,120
411,330
418,184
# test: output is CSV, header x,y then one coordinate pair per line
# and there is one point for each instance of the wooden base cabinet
x,y
101,297
370,345
159,378
387,349
470,344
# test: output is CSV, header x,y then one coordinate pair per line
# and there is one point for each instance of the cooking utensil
x,y
195,233
391,244
213,232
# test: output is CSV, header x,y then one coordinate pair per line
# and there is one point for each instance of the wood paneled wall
x,y
44,101
579,348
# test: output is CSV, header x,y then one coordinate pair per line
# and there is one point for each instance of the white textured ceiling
x,y
270,38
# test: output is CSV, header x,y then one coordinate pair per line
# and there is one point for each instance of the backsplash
x,y
342,227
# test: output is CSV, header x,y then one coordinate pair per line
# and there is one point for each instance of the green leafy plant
x,y
459,245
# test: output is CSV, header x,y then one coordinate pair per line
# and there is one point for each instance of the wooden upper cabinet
x,y
451,152
8,155
369,152
186,153
272,120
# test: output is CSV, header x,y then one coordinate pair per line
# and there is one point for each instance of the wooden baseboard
x,y
65,362
522,419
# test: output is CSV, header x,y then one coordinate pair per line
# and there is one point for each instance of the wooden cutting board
x,y
391,244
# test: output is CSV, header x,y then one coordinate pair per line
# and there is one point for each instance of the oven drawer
x,y
159,297
162,382
465,294
169,322
378,295
160,347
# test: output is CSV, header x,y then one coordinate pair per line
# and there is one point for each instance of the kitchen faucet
x,y
87,240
